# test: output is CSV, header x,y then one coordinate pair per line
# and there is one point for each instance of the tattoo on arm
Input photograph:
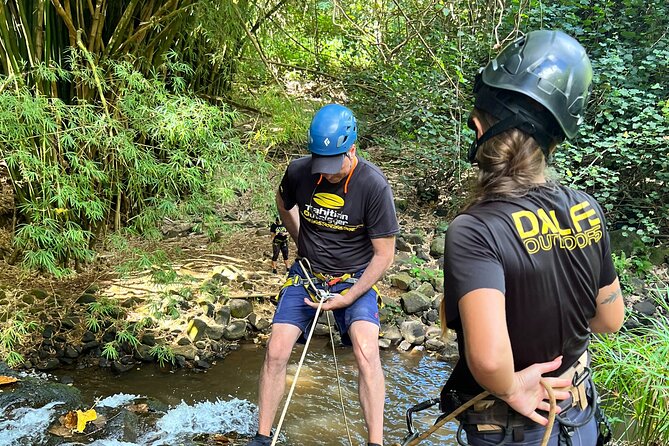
x,y
612,297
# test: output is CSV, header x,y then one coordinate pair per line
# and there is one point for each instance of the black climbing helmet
x,y
545,67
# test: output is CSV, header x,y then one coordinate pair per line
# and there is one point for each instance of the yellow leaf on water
x,y
85,417
7,380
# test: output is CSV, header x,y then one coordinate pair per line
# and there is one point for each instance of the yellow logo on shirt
x,y
541,231
330,201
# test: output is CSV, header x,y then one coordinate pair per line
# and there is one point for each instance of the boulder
x,y
437,247
413,332
222,316
426,289
259,323
402,280
414,302
189,352
197,328
215,331
235,330
391,332
240,308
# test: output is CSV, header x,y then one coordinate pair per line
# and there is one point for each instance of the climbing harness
x,y
321,296
490,415
413,438
325,282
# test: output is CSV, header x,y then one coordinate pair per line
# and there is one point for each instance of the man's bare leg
x,y
273,374
371,385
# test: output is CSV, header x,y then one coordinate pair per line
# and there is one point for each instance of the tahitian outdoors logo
x,y
325,212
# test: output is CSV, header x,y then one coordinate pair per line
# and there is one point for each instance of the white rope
x,y
322,297
341,394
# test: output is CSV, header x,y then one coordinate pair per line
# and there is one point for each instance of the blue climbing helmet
x,y
333,131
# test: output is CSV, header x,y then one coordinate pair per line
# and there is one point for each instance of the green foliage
x,y
110,351
13,334
423,273
163,354
632,367
622,154
102,312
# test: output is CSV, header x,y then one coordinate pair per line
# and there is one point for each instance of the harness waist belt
x,y
492,415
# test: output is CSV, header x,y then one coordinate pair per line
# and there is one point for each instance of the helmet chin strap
x,y
517,120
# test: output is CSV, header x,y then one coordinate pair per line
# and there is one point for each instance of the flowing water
x,y
223,399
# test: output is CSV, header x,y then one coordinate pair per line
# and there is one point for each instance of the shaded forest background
x,y
117,115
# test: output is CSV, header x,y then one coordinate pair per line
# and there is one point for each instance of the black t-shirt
x,y
280,233
336,227
549,253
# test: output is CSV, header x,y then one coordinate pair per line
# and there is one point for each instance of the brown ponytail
x,y
508,163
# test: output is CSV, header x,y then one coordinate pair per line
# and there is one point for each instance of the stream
x,y
223,399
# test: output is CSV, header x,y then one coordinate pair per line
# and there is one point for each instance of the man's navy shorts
x,y
292,309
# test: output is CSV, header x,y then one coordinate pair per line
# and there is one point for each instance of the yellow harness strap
x,y
296,280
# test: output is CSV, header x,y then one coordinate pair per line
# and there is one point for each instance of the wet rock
x,y
235,330
414,302
65,379
392,333
259,323
438,282
437,247
36,392
49,364
201,364
434,345
402,280
223,315
143,353
240,308
109,335
189,352
384,344
201,345
413,332
404,346
321,330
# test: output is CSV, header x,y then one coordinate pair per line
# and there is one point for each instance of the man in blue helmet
x,y
339,210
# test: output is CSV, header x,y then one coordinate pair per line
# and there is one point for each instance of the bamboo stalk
x,y
121,27
94,26
67,18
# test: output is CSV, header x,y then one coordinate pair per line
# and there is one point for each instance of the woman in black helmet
x,y
528,268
